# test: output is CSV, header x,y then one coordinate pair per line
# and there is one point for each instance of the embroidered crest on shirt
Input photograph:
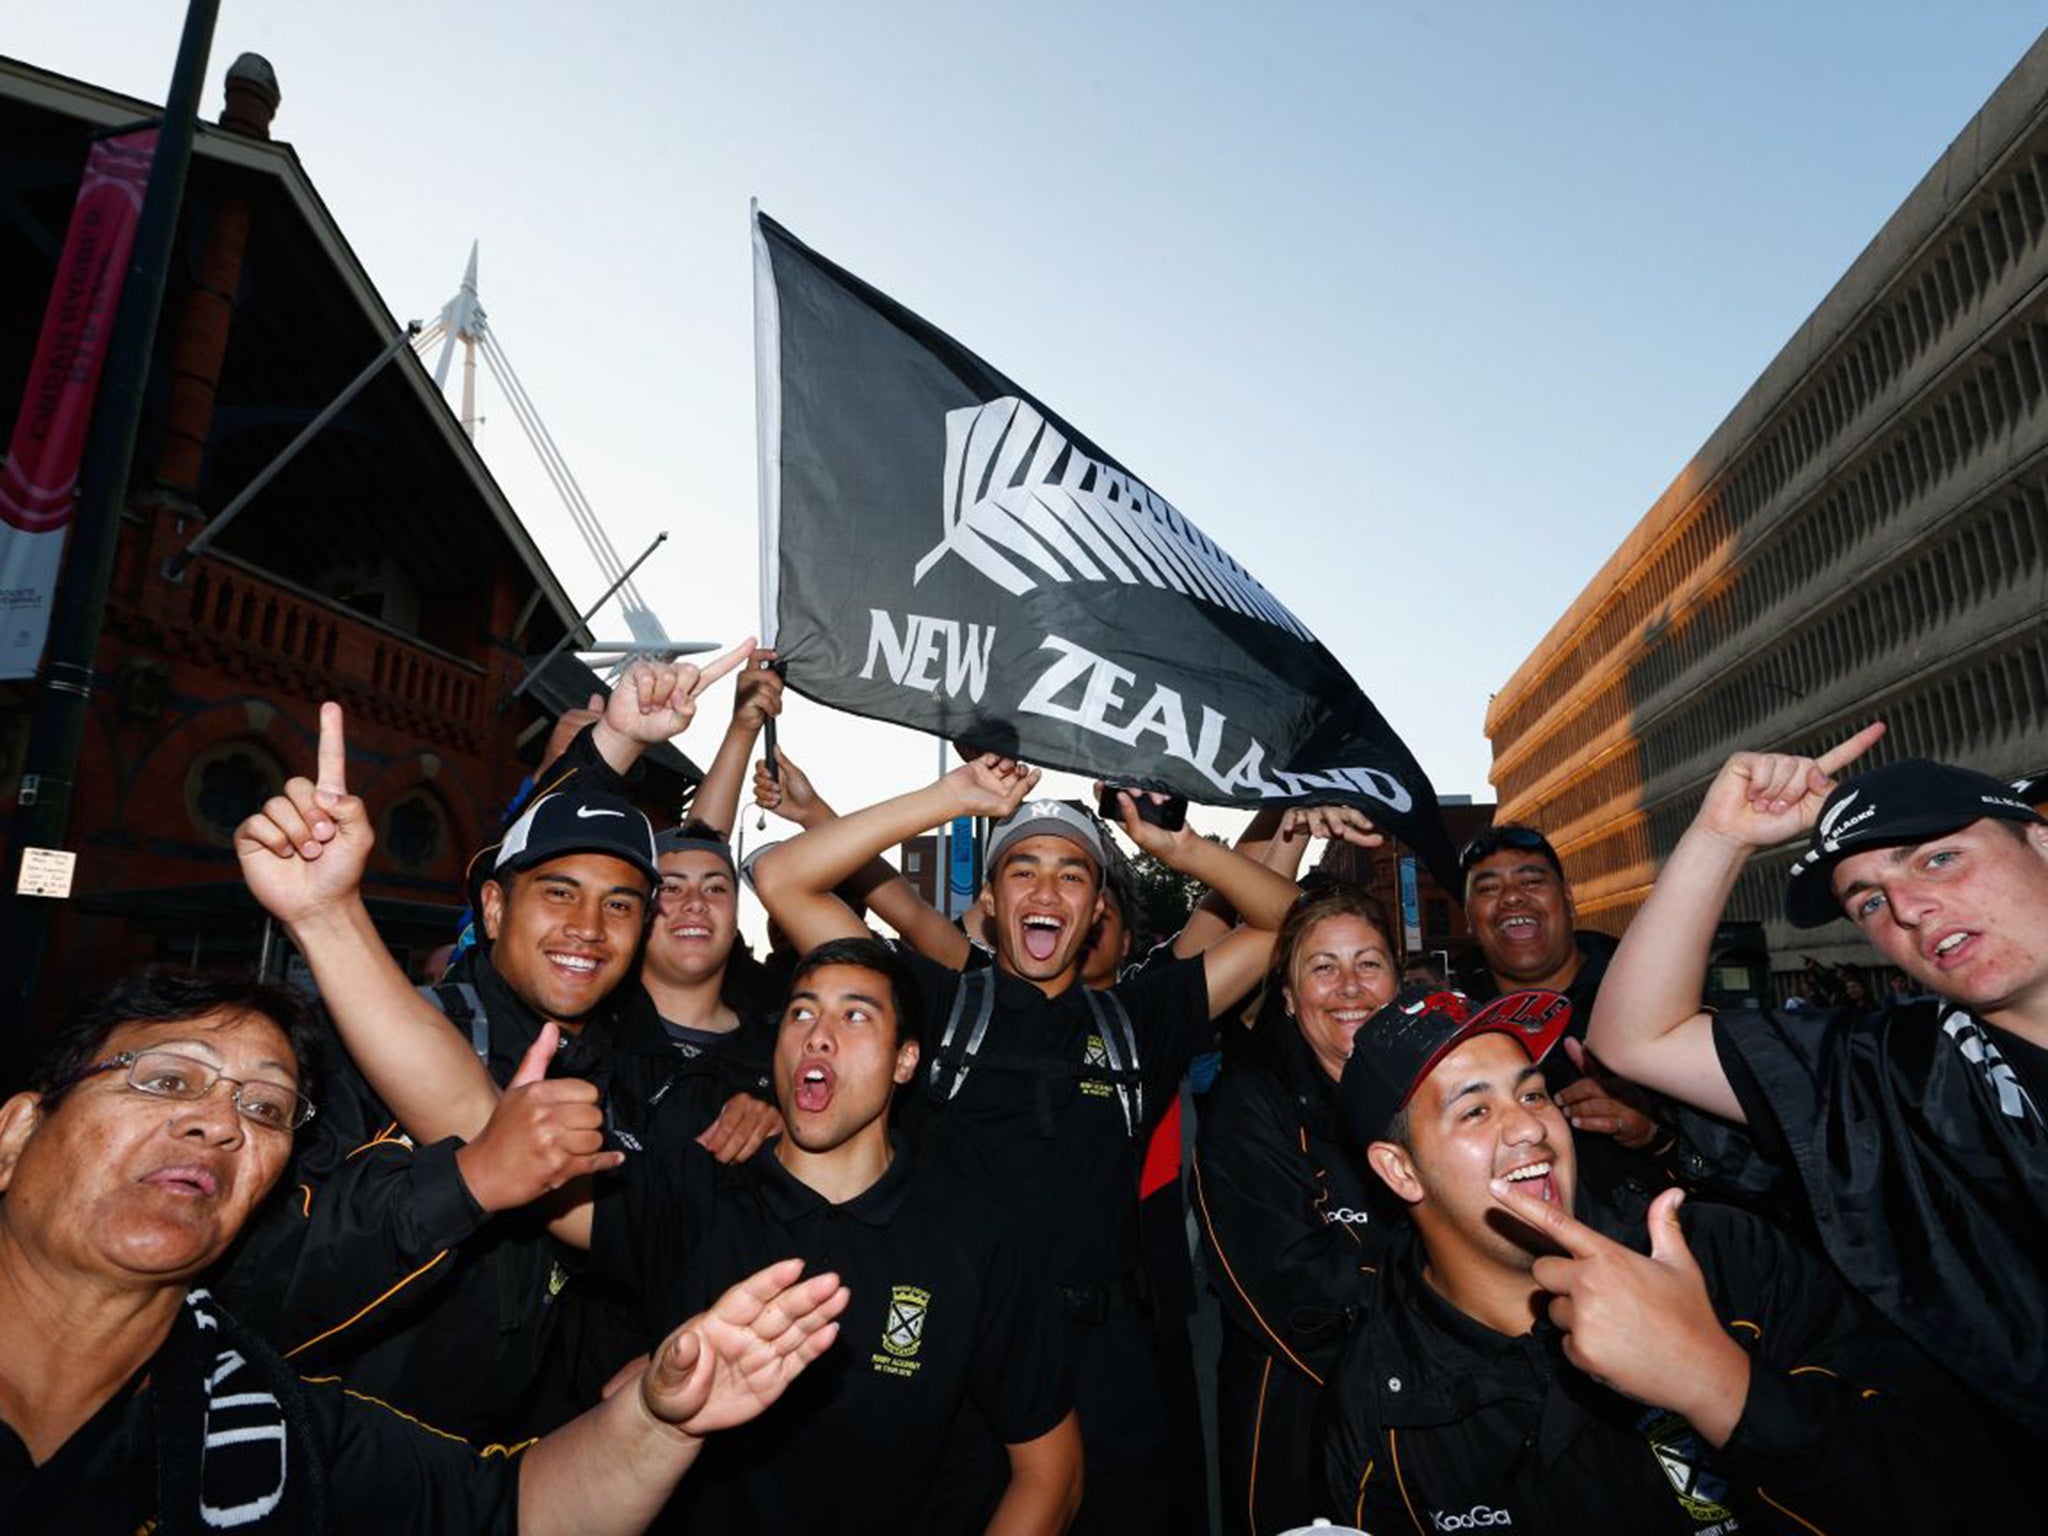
x,y
1700,1489
1095,1054
903,1331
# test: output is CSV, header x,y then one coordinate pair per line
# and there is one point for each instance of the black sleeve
x,y
937,985
362,1226
1735,1034
1169,1008
1846,1425
646,1219
387,1472
1021,1381
579,763
1286,1276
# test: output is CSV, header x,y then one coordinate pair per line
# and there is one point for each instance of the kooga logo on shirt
x,y
1479,1517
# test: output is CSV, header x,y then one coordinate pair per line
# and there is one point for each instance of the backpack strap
x,y
976,995
1120,1045
966,1031
465,1009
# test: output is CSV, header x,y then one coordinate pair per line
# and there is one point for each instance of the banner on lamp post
x,y
39,476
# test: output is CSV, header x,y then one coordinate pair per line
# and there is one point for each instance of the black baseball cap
x,y
1904,802
577,820
1399,1046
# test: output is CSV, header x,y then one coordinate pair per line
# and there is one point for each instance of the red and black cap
x,y
1905,802
1399,1046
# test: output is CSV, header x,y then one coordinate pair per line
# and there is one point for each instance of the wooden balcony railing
x,y
276,625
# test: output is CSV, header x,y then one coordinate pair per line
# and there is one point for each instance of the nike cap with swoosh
x,y
577,820
1905,802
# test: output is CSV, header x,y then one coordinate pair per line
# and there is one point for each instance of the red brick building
x,y
383,568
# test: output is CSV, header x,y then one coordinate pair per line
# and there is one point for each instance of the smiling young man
x,y
1915,1133
703,1002
721,1043
163,1114
1514,1366
407,1265
1037,1092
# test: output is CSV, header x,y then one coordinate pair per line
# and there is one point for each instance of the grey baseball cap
x,y
1050,818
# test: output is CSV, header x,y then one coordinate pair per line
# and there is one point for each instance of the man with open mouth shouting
x,y
1037,1091
1517,1366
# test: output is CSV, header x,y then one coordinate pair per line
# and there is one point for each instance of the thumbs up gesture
x,y
1640,1323
544,1132
305,851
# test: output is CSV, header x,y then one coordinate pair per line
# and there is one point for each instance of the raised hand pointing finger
x,y
733,658
305,851
331,762
1554,1222
1834,761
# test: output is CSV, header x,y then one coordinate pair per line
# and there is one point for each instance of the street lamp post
x,y
50,768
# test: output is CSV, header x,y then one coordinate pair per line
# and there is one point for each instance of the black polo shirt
x,y
1033,1126
1036,1132
383,1472
941,1311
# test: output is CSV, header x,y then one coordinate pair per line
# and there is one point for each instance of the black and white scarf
x,y
234,1452
1981,1052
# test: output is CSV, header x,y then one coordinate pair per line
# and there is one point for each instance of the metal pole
x,y
51,766
667,651
175,566
584,618
942,884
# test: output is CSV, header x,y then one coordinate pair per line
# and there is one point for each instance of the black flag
x,y
939,549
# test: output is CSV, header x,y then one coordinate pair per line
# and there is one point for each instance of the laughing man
x,y
1519,1368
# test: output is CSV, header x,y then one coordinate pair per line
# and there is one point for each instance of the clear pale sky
x,y
1414,307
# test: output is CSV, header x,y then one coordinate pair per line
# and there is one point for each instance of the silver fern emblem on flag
x,y
1023,506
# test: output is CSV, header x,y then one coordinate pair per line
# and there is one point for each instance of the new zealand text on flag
x,y
941,550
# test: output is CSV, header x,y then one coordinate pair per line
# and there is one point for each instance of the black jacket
x,y
1923,1158
376,1264
1439,1423
1292,1222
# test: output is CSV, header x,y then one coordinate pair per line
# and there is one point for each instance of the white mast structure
x,y
462,321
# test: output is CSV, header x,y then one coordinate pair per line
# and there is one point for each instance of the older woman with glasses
x,y
161,1116
1290,1213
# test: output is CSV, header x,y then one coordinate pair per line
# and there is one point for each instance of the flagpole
x,y
944,882
767,448
175,565
43,808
